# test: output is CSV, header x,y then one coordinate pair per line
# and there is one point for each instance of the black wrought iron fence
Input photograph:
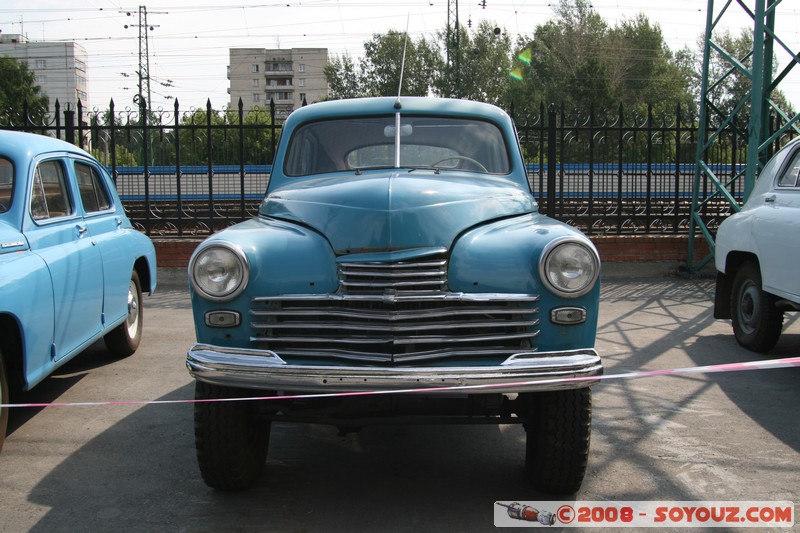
x,y
192,172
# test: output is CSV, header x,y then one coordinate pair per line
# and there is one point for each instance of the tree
x,y
485,63
383,59
17,88
642,69
378,73
578,60
345,78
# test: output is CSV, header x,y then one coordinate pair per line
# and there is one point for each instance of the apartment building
x,y
60,67
288,77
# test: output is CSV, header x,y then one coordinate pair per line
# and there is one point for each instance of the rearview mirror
x,y
405,130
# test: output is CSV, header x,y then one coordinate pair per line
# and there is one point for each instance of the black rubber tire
x,y
231,439
558,431
757,322
124,339
4,399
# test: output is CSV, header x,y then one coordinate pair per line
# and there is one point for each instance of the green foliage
x,y
124,157
578,60
18,86
345,78
484,64
378,73
227,136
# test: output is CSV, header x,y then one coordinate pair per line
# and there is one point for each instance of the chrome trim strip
x,y
405,296
262,369
395,316
394,328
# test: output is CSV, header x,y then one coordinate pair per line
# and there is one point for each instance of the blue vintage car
x,y
72,268
398,247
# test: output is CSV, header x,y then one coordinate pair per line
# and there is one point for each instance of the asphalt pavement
x,y
712,437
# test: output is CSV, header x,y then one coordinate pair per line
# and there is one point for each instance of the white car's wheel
x,y
757,322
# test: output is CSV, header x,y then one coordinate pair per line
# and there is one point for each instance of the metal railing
x,y
193,172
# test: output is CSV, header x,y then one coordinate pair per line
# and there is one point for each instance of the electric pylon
x,y
716,125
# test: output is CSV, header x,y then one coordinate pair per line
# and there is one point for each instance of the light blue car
x,y
398,247
72,268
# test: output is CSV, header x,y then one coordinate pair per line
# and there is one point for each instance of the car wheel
x,y
4,399
757,322
558,429
230,437
123,340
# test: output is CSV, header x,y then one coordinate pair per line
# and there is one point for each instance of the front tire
x,y
757,322
231,438
558,427
124,339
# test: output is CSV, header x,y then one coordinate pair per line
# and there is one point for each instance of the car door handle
x,y
769,199
81,230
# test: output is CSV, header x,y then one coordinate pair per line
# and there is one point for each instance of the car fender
x,y
503,257
283,258
28,299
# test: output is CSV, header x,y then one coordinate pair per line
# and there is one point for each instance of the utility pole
x,y
453,60
144,56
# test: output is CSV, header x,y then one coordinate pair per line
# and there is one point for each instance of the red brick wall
x,y
637,248
613,248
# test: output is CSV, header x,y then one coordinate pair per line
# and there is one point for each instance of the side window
x,y
6,183
789,178
90,184
50,197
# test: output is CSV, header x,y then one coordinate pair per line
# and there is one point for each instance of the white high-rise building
x,y
288,77
60,67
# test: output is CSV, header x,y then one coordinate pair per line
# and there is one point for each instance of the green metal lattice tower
x,y
717,124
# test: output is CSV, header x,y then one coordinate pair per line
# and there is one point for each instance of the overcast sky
x,y
189,40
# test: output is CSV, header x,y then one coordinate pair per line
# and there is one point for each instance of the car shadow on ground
x,y
141,475
57,383
771,398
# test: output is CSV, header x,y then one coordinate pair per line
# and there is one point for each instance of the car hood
x,y
11,240
397,210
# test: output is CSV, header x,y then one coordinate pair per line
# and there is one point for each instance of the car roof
x,y
20,146
390,105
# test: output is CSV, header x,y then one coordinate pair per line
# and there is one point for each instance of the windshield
x,y
6,184
355,144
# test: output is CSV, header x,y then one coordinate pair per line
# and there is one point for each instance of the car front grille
x,y
395,312
426,274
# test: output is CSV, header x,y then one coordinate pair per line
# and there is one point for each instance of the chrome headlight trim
x,y
230,266
584,263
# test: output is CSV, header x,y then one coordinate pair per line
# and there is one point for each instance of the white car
x,y
757,255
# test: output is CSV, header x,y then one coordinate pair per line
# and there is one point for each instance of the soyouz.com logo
x,y
703,514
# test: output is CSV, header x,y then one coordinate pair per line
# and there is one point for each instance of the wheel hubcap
x,y
133,310
748,307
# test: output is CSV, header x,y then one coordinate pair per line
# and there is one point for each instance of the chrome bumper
x,y
263,369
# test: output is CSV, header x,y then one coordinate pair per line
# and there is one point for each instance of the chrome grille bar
x,y
377,276
396,326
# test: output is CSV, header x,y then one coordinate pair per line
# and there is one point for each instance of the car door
x,y
105,227
58,234
776,232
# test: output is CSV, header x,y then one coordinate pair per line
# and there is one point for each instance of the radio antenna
x,y
402,67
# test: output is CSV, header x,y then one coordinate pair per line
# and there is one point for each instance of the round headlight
x,y
219,271
569,268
